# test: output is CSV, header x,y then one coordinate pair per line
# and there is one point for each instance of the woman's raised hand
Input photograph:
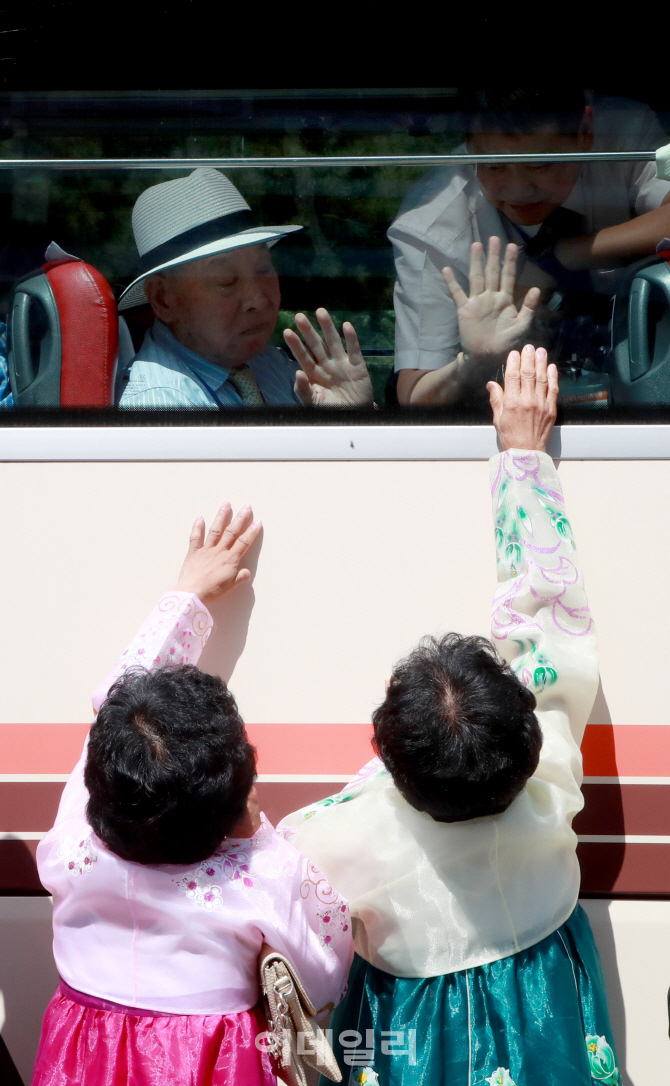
x,y
213,565
329,375
524,412
488,321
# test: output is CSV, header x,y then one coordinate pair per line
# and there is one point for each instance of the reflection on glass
x,y
204,319
576,227
208,275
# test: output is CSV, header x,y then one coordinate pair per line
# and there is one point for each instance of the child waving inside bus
x,y
572,226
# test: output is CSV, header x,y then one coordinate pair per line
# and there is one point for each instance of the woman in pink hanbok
x,y
165,877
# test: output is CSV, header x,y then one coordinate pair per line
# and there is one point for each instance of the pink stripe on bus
x,y
609,751
311,748
41,748
282,748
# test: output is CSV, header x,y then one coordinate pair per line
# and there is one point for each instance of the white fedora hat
x,y
189,219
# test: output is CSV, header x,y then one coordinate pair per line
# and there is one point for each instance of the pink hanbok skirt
x,y
87,1041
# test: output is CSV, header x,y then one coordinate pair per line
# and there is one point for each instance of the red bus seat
x,y
63,337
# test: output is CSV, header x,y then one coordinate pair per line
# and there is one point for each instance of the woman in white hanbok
x,y
474,962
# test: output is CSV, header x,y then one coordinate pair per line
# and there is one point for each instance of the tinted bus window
x,y
283,203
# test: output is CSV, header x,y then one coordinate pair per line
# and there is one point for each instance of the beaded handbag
x,y
293,1037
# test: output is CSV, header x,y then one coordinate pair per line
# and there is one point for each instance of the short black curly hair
x,y
457,729
518,110
169,766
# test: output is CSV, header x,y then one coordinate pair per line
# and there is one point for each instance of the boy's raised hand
x,y
489,323
329,375
525,411
214,565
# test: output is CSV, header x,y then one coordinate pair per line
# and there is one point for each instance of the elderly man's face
x,y
223,308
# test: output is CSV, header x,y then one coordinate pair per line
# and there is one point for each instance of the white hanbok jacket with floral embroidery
x,y
429,897
185,940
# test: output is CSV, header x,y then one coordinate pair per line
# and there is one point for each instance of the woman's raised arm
x,y
177,629
541,621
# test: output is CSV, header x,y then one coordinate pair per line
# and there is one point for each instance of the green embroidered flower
x,y
559,521
544,676
329,801
512,525
532,667
501,1077
525,520
542,496
502,493
513,553
601,1061
562,526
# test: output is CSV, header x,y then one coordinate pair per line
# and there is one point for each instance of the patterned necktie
x,y
244,382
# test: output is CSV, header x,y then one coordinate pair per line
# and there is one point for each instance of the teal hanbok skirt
x,y
536,1018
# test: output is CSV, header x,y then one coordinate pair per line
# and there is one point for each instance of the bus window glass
x,y
224,223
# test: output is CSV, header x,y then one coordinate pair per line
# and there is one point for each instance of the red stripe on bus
x,y
627,750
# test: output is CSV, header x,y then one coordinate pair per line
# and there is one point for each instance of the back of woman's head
x,y
457,729
169,766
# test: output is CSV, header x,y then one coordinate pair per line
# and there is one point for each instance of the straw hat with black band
x,y
191,218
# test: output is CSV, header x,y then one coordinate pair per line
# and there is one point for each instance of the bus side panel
x,y
357,561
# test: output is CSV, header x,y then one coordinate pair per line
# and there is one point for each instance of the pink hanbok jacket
x,y
185,939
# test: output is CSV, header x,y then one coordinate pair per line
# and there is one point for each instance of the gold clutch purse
x,y
293,1037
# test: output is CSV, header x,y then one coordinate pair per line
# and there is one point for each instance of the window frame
x,y
347,443
156,441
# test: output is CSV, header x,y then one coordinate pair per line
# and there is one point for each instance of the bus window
x,y
214,218
388,187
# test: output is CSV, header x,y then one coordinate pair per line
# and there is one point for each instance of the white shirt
x,y
166,375
446,211
430,898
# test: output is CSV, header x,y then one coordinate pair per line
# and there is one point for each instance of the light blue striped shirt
x,y
164,374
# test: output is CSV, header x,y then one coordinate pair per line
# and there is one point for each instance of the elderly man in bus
x,y
207,272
